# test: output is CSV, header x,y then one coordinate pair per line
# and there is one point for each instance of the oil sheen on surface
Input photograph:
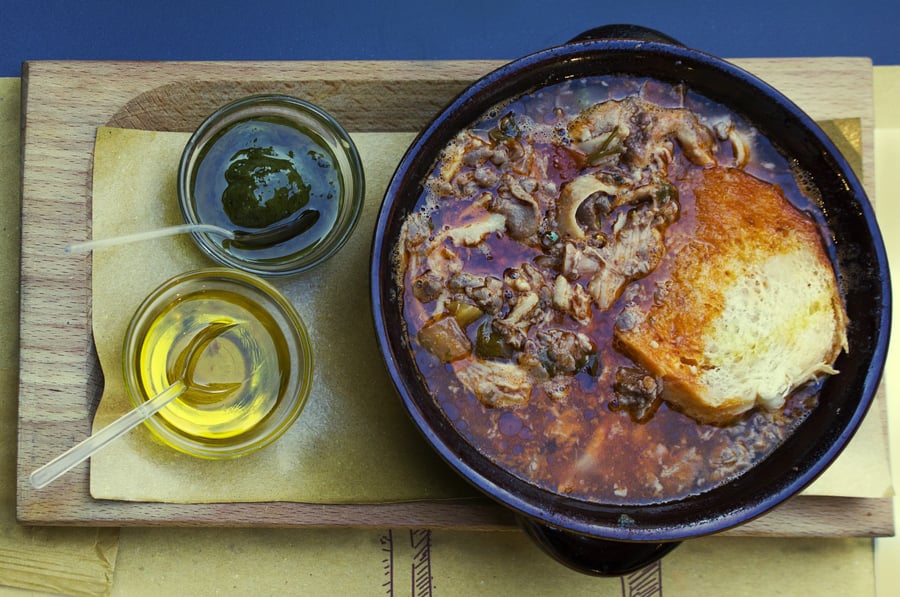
x,y
251,355
576,434
264,171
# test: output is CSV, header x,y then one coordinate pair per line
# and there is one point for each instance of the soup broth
x,y
514,345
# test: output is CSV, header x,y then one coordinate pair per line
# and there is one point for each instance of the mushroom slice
x,y
573,194
635,251
472,233
740,147
597,124
522,309
521,209
455,152
573,299
695,139
577,262
495,383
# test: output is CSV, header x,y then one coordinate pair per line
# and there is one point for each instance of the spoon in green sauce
x,y
69,459
271,235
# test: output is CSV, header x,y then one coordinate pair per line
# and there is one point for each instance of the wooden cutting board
x,y
60,378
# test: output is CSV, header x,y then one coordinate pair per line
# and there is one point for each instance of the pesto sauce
x,y
262,188
261,172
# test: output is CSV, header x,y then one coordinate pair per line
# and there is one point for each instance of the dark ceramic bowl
x,y
606,539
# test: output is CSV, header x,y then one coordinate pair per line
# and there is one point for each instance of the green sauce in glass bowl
x,y
279,172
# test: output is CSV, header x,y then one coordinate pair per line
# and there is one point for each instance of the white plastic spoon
x,y
101,243
90,445
273,234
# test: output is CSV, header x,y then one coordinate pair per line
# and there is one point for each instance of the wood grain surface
x,y
60,378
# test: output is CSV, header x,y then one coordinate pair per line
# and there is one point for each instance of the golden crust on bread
x,y
750,309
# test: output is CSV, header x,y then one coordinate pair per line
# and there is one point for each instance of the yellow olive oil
x,y
236,379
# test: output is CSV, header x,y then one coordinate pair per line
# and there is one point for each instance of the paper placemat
x,y
353,443
421,563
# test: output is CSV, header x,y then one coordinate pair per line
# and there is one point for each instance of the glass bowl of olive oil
x,y
247,385
282,174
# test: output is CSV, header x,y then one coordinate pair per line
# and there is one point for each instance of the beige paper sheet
x,y
350,445
420,563
69,561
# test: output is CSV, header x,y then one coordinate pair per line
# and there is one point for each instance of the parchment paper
x,y
352,444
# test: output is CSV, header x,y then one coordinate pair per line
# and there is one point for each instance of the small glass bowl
x,y
256,375
296,132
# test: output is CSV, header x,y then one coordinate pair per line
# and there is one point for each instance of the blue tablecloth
x,y
424,29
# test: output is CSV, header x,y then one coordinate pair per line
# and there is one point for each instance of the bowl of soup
x,y
631,292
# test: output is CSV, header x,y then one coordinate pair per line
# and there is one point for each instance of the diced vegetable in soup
x,y
546,229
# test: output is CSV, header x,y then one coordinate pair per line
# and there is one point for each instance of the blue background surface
x,y
409,30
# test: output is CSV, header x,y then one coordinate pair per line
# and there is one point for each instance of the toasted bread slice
x,y
751,309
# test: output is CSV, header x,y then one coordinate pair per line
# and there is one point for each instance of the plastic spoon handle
x,y
90,245
90,445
